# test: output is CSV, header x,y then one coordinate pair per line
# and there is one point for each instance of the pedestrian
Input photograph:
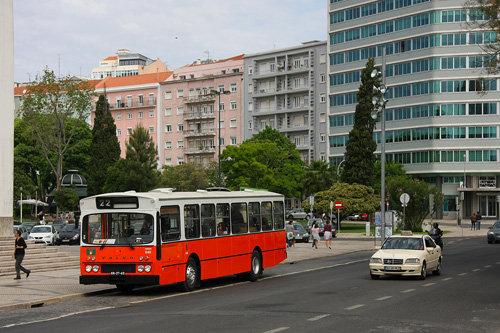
x,y
473,219
18,254
41,217
290,234
478,221
328,234
315,234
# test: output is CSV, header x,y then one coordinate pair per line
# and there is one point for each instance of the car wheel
x,y
191,276
290,217
438,269
306,240
308,217
374,277
423,272
255,266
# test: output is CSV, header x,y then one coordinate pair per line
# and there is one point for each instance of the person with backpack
x,y
478,221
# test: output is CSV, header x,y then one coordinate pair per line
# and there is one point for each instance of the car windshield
x,y
69,227
496,225
40,230
118,229
400,243
299,227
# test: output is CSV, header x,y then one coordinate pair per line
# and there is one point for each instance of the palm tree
x,y
319,176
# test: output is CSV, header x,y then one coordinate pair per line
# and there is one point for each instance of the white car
x,y
43,234
413,255
297,213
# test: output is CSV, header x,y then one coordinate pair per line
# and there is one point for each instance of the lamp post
x,y
382,101
215,92
338,170
21,205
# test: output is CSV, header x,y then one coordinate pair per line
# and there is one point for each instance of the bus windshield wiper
x,y
129,244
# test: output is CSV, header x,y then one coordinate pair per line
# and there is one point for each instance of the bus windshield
x,y
118,229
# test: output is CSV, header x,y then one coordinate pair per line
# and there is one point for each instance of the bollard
x,y
368,228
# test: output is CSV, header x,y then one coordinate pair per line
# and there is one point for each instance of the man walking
x,y
18,254
478,222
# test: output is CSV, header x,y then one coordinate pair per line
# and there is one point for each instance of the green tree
x,y
269,160
418,207
138,170
355,198
184,177
319,176
359,155
47,107
66,199
392,169
104,150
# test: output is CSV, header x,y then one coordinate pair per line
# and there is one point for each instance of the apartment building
x,y
286,90
125,63
196,123
438,124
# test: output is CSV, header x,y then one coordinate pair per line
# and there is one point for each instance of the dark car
x,y
62,221
29,225
22,229
493,234
68,235
301,235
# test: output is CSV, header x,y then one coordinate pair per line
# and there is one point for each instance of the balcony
x,y
195,133
199,99
199,150
134,103
198,115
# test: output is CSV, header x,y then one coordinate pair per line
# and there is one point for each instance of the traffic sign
x,y
404,198
338,205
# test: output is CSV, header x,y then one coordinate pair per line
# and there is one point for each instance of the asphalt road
x,y
331,294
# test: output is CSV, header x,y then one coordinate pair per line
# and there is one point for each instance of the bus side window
x,y
267,215
208,227
254,216
192,221
279,215
169,223
223,219
239,218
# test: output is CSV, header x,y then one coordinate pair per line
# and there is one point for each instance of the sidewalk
x,y
53,286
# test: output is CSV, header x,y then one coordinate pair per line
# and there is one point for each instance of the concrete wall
x,y
7,115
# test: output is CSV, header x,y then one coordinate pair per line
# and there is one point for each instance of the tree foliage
x,y
138,170
359,155
418,206
319,176
66,199
47,107
104,150
392,169
268,160
185,177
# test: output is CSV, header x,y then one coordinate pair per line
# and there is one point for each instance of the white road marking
x,y
354,307
279,329
407,291
383,298
59,317
429,284
498,263
447,279
476,270
462,274
487,266
318,317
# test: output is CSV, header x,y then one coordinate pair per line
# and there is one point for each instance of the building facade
x,y
442,115
286,90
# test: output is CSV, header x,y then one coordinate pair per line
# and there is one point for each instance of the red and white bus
x,y
161,237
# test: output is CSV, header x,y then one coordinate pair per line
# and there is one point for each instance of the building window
x,y
168,94
221,106
168,112
151,129
168,161
168,144
180,127
221,123
250,70
234,105
180,160
129,100
322,78
168,128
233,87
140,114
180,110
141,100
232,123
221,88
322,137
233,140
221,142
296,139
250,106
129,115
322,58
180,143
118,116
151,113
129,130
249,124
180,93
118,131
322,98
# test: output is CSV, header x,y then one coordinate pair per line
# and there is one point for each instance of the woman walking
x,y
328,234
315,234
19,255
290,234
473,219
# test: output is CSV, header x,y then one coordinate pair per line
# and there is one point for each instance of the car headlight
x,y
375,260
413,261
58,236
491,233
75,237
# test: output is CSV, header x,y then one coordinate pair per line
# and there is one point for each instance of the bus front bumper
x,y
123,279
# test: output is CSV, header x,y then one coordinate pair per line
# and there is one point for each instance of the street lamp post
x,y
215,92
338,170
21,206
382,101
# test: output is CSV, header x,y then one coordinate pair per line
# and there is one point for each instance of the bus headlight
x,y
147,268
95,268
88,268
140,269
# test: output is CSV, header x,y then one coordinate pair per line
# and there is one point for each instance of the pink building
x,y
190,114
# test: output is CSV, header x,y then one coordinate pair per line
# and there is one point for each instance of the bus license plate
x,y
392,268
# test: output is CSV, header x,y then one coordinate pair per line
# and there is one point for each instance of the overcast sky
x,y
71,36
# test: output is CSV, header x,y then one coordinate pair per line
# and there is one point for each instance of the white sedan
x,y
43,234
413,255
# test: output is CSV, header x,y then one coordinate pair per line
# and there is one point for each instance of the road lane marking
x,y
383,298
447,279
407,291
476,270
279,329
314,269
354,307
318,317
462,274
498,263
429,284
487,266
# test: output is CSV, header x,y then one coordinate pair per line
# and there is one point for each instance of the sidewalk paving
x,y
53,286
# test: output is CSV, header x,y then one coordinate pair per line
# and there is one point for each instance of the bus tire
x,y
255,266
191,276
125,288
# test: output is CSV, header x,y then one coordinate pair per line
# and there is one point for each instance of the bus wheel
x,y
255,266
125,288
189,283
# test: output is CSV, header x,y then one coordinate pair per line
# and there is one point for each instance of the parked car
x,y
413,255
43,234
310,222
493,235
298,213
301,235
22,229
29,225
59,227
62,221
358,217
69,235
